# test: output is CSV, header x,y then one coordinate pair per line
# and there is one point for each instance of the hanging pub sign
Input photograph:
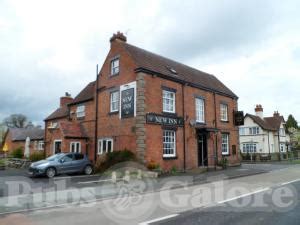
x,y
238,118
127,103
154,118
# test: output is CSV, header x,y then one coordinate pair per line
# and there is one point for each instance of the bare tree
x,y
16,121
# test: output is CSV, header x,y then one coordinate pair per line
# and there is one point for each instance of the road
x,y
256,199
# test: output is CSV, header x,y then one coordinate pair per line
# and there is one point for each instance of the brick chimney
x,y
276,114
118,37
259,111
65,99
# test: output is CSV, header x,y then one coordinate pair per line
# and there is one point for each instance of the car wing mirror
x,y
62,161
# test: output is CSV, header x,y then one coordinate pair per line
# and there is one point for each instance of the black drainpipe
x,y
216,134
269,142
96,117
184,141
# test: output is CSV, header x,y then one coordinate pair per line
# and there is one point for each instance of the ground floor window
x,y
249,148
41,145
169,143
105,145
225,144
75,147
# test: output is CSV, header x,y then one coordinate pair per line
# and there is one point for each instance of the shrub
x,y
153,165
223,163
36,156
113,158
173,170
17,153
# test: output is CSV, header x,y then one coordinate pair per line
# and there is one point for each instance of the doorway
x,y
202,150
57,146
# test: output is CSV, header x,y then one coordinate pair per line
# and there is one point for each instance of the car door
x,y
65,164
78,162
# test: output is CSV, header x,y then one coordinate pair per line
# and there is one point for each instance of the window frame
x,y
40,145
198,110
224,114
80,113
249,147
114,67
164,148
165,107
100,145
116,101
227,144
76,145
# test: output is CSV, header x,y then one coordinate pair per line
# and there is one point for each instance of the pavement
x,y
262,198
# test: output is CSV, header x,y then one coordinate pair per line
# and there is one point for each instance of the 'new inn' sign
x,y
154,118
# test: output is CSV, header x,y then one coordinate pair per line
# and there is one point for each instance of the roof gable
x,y
86,94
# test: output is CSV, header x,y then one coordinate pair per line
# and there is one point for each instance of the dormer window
x,y
115,66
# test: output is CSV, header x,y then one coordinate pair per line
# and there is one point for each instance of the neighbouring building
x,y
162,110
16,138
264,135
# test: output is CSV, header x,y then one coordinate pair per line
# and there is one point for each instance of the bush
x,y
223,163
113,158
37,156
153,165
17,153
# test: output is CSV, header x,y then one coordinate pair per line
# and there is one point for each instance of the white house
x,y
264,135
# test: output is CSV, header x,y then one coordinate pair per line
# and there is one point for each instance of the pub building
x,y
166,112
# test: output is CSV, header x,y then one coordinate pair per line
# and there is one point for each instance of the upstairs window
x,y
242,131
105,145
80,111
224,112
200,110
168,101
253,130
281,132
225,144
114,101
114,66
41,145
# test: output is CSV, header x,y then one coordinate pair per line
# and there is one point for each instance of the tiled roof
x,y
176,71
20,134
86,94
72,130
268,123
59,113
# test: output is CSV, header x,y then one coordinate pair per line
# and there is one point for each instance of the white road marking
x,y
289,182
244,195
158,219
93,181
80,176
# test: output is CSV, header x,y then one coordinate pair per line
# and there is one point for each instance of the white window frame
x,y
200,110
169,102
225,144
242,131
56,140
75,143
254,130
282,147
281,132
80,111
249,147
115,66
100,149
115,100
224,112
170,143
40,145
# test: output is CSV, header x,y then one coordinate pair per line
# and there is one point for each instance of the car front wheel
x,y
50,172
88,170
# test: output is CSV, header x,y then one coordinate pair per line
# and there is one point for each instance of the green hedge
x,y
112,158
17,153
37,156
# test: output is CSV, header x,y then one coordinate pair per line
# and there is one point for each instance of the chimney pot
x,y
118,36
259,111
65,99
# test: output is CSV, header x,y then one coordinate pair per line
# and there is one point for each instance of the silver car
x,y
62,163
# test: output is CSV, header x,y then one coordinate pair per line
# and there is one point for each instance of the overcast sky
x,y
50,47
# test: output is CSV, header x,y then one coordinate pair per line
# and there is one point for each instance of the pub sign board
x,y
154,118
127,103
238,118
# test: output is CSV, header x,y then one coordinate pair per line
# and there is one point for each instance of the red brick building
x,y
164,111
